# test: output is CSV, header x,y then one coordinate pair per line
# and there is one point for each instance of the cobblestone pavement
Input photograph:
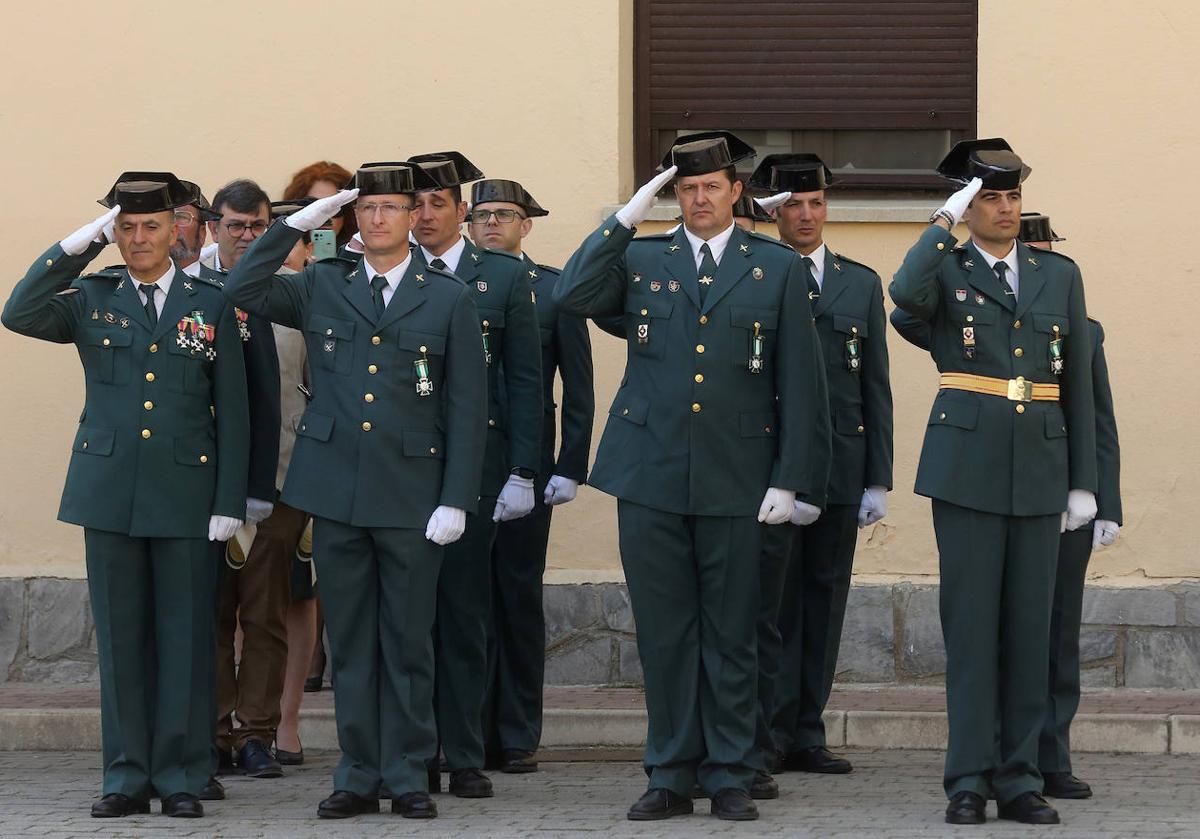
x,y
892,794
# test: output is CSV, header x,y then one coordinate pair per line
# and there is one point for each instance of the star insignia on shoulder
x,y
744,248
673,248
706,280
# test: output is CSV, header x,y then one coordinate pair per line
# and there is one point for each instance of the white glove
x,y
1081,508
776,506
93,231
257,510
221,528
957,203
773,202
803,513
515,500
446,525
873,506
1104,533
560,490
309,218
635,212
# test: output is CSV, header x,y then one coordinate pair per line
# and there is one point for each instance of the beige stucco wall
x,y
1091,92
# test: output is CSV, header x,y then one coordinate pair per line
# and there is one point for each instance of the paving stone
x,y
12,619
922,651
1128,606
614,602
58,616
1162,658
568,610
868,647
586,662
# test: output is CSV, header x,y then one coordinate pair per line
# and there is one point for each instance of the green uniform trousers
x,y
461,631
152,603
805,582
997,583
517,652
1054,748
694,588
378,589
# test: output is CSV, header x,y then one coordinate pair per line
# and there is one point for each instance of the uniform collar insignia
x,y
474,257
673,248
420,278
353,273
837,266
1032,261
533,275
744,248
968,263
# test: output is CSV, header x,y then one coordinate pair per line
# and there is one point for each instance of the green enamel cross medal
x,y
756,351
1056,354
487,344
424,383
853,351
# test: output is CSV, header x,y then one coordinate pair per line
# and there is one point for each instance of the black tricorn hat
x,y
390,178
495,189
991,160
147,192
207,213
279,209
447,168
1035,227
708,151
791,173
747,207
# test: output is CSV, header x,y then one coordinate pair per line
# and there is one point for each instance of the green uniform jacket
x,y
692,430
262,389
164,435
1108,449
860,397
371,452
499,287
985,452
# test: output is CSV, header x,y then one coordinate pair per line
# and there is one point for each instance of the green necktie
x,y
708,271
148,290
438,264
814,290
378,284
1001,269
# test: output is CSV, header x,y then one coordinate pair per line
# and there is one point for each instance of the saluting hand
x,y
98,230
446,525
776,506
309,218
635,212
957,203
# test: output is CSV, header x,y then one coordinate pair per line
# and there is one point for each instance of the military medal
x,y
482,286
1056,353
329,345
421,369
487,346
853,351
124,323
673,286
95,314
969,342
184,326
978,299
756,350
757,273
960,294
243,322
655,285
643,333
109,317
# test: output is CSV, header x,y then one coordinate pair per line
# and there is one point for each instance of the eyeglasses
x,y
387,210
502,216
186,219
237,228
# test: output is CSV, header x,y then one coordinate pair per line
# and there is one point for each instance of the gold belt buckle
x,y
1020,390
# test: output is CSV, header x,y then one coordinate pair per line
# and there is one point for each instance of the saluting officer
x,y
387,460
508,326
806,569
158,470
501,216
1010,445
717,427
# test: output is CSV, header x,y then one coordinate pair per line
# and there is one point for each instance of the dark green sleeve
x,y
915,287
1108,448
37,309
614,325
574,351
262,387
252,284
593,282
232,415
466,408
912,329
1079,404
523,375
877,395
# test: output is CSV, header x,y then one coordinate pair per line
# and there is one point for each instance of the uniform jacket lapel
x,y
735,262
178,306
468,265
126,300
982,277
409,295
358,291
1031,281
832,283
681,264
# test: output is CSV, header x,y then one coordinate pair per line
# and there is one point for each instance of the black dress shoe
x,y
214,790
966,808
256,761
313,684
733,804
415,805
657,804
763,787
470,783
182,805
343,804
1065,785
816,759
287,758
1029,808
115,805
518,762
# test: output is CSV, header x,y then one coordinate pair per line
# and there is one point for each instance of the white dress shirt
x,y
164,288
1013,276
451,257
393,277
818,266
192,270
716,244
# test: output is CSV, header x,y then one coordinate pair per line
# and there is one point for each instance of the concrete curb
x,y
78,729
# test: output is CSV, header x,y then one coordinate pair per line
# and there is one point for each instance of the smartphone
x,y
324,242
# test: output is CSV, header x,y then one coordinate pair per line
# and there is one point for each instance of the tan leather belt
x,y
1017,390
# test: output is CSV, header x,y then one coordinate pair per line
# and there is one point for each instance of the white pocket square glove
x,y
635,212
1081,509
873,506
773,202
559,490
515,499
222,528
776,506
257,510
804,513
98,230
446,525
957,203
1104,533
309,218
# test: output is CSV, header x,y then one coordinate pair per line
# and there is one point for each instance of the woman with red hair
x,y
321,180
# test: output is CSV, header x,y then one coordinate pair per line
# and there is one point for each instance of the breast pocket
x,y
422,355
106,355
187,369
752,336
646,324
976,338
849,337
330,343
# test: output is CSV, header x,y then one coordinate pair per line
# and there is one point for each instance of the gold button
x,y
372,369
853,330
757,325
147,404
861,429
1016,324
366,426
1018,352
1055,327
625,412
1020,409
970,318
941,246
699,348
149,377
942,416
695,407
492,423
154,348
607,232
106,342
767,429
424,348
303,427
375,340
645,311
204,458
699,378
370,397
703,319
486,324
145,433
433,449
85,444
328,331
49,261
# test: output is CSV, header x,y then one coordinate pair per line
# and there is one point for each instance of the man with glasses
x,y
191,231
508,325
387,460
254,590
501,216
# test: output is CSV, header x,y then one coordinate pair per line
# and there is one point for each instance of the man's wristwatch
x,y
521,472
942,214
